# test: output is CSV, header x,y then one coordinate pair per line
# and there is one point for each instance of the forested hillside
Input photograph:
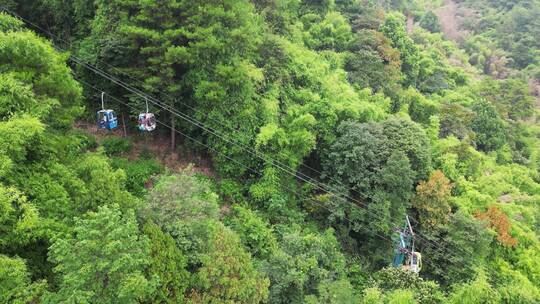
x,y
294,140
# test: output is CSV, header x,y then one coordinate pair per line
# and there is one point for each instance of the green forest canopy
x,y
343,116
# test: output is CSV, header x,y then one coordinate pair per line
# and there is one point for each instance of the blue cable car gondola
x,y
106,118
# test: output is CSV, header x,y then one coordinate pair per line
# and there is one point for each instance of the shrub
x,y
86,140
116,145
138,172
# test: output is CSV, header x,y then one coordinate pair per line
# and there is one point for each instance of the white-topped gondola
x,y
147,121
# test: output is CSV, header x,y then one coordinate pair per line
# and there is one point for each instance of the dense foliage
x,y
325,123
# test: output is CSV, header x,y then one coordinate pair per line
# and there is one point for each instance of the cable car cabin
x,y
404,250
107,119
414,262
147,122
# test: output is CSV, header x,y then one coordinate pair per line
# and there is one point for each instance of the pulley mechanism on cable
x,y
404,254
106,118
147,121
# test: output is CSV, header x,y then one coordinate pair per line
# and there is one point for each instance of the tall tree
x,y
430,22
306,260
254,232
18,220
117,276
373,63
393,190
497,220
488,126
463,243
432,200
38,76
168,263
476,291
227,274
155,35
333,32
15,285
184,207
394,28
394,279
511,97
410,138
